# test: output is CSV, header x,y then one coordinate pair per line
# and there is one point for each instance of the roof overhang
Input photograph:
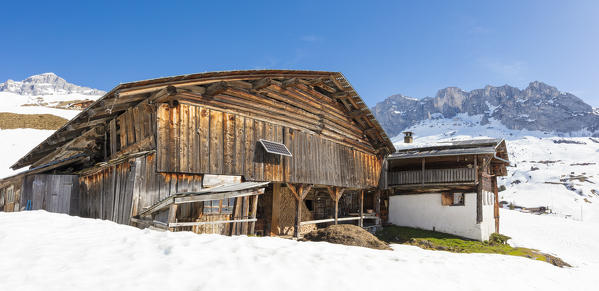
x,y
126,95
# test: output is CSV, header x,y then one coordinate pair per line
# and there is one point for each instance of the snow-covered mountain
x,y
538,107
39,94
46,84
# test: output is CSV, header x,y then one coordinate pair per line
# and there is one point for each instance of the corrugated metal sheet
x,y
453,148
441,152
227,188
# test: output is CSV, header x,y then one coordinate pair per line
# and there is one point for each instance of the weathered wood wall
x,y
197,139
53,193
132,131
10,194
123,190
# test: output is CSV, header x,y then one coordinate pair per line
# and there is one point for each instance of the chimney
x,y
408,137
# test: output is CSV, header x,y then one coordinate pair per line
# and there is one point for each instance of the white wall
x,y
425,211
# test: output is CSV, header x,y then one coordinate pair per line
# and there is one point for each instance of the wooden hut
x,y
270,152
449,187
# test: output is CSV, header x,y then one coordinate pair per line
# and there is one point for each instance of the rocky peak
x,y
537,107
45,84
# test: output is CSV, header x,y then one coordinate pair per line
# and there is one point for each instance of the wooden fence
x,y
432,176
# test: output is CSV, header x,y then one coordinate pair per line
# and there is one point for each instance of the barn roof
x,y
126,95
455,148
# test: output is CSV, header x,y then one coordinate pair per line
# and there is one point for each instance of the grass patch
x,y
432,240
37,121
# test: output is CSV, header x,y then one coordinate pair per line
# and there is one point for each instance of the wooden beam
x,y
336,193
290,83
262,83
300,192
254,212
422,177
361,222
276,209
196,223
172,215
357,113
215,89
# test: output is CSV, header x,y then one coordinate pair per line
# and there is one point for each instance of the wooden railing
x,y
432,176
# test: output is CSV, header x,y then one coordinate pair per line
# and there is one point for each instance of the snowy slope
x,y
35,95
15,143
561,173
59,252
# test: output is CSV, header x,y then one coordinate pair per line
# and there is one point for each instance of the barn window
x,y
452,199
224,206
10,195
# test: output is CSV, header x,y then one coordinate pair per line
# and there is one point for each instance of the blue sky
x,y
382,47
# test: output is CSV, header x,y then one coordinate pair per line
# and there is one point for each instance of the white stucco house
x,y
447,187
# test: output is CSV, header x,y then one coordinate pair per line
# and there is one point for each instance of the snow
x,y
59,252
16,143
491,108
11,102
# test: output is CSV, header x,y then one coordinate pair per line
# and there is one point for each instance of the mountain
x,y
538,107
46,84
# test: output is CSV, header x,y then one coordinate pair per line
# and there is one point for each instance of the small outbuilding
x,y
449,187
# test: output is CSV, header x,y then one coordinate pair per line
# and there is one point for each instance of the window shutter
x,y
446,198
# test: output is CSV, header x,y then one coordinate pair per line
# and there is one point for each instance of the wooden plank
x,y
172,216
216,142
268,157
239,156
130,127
254,213
259,151
249,146
184,139
204,135
163,115
176,224
228,143
361,222
245,215
175,140
113,138
193,142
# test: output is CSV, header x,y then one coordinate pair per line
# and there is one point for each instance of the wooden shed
x,y
270,152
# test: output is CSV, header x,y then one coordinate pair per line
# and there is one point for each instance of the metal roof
x,y
453,148
441,152
235,190
226,188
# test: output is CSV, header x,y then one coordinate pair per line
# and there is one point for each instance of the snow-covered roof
x,y
451,148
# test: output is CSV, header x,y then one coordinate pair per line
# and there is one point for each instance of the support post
x,y
300,192
495,203
361,221
254,213
377,205
336,193
276,207
422,176
172,215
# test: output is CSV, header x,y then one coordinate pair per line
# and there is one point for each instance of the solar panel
x,y
275,148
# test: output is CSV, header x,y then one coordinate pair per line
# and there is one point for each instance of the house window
x,y
452,199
